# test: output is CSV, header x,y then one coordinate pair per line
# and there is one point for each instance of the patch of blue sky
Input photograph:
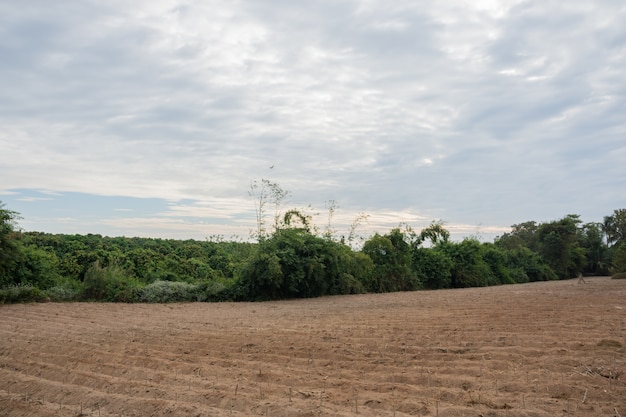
x,y
32,203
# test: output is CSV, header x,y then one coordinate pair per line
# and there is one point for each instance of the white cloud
x,y
474,112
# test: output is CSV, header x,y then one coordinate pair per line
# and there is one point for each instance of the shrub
x,y
619,258
168,292
123,290
293,263
392,258
218,290
110,283
519,276
22,294
619,275
531,265
433,267
469,269
69,290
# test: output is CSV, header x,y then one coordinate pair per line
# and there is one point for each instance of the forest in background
x,y
291,258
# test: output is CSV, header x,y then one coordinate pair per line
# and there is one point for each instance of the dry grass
x,y
541,349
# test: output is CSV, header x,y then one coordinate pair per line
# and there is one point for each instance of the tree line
x,y
292,258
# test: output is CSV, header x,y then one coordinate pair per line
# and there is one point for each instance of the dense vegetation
x,y
295,260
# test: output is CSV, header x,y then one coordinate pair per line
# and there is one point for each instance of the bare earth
x,y
539,349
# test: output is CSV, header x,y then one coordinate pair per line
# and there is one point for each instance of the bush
x,y
110,283
619,258
469,269
293,263
392,258
22,294
528,266
619,275
69,290
124,290
169,292
519,276
217,290
433,267
37,267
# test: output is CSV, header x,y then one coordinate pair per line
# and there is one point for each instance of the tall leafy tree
x,y
293,263
559,245
10,253
435,232
522,235
619,259
597,253
469,268
614,227
433,267
392,258
526,265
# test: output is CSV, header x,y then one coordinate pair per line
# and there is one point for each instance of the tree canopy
x,y
291,259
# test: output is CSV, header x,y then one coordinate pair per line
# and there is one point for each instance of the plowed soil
x,y
538,349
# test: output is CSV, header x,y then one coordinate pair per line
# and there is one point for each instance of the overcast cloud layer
x,y
152,118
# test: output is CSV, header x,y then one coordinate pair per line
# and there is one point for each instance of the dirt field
x,y
540,349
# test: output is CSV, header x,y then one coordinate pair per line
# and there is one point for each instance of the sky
x,y
153,118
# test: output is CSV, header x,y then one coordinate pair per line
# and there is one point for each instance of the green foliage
x,y
66,290
560,248
614,227
523,235
9,251
220,290
358,270
168,292
110,283
262,278
293,263
619,275
22,294
392,259
498,263
435,232
433,267
177,292
468,266
619,258
526,265
597,254
563,246
37,267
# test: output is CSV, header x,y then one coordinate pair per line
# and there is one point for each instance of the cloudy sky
x,y
153,117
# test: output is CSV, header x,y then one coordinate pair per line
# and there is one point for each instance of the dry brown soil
x,y
539,349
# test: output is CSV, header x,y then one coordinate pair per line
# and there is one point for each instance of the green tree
x,y
559,246
619,258
36,267
523,235
435,232
433,267
392,258
110,283
597,253
614,227
468,266
293,263
10,253
526,265
498,262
